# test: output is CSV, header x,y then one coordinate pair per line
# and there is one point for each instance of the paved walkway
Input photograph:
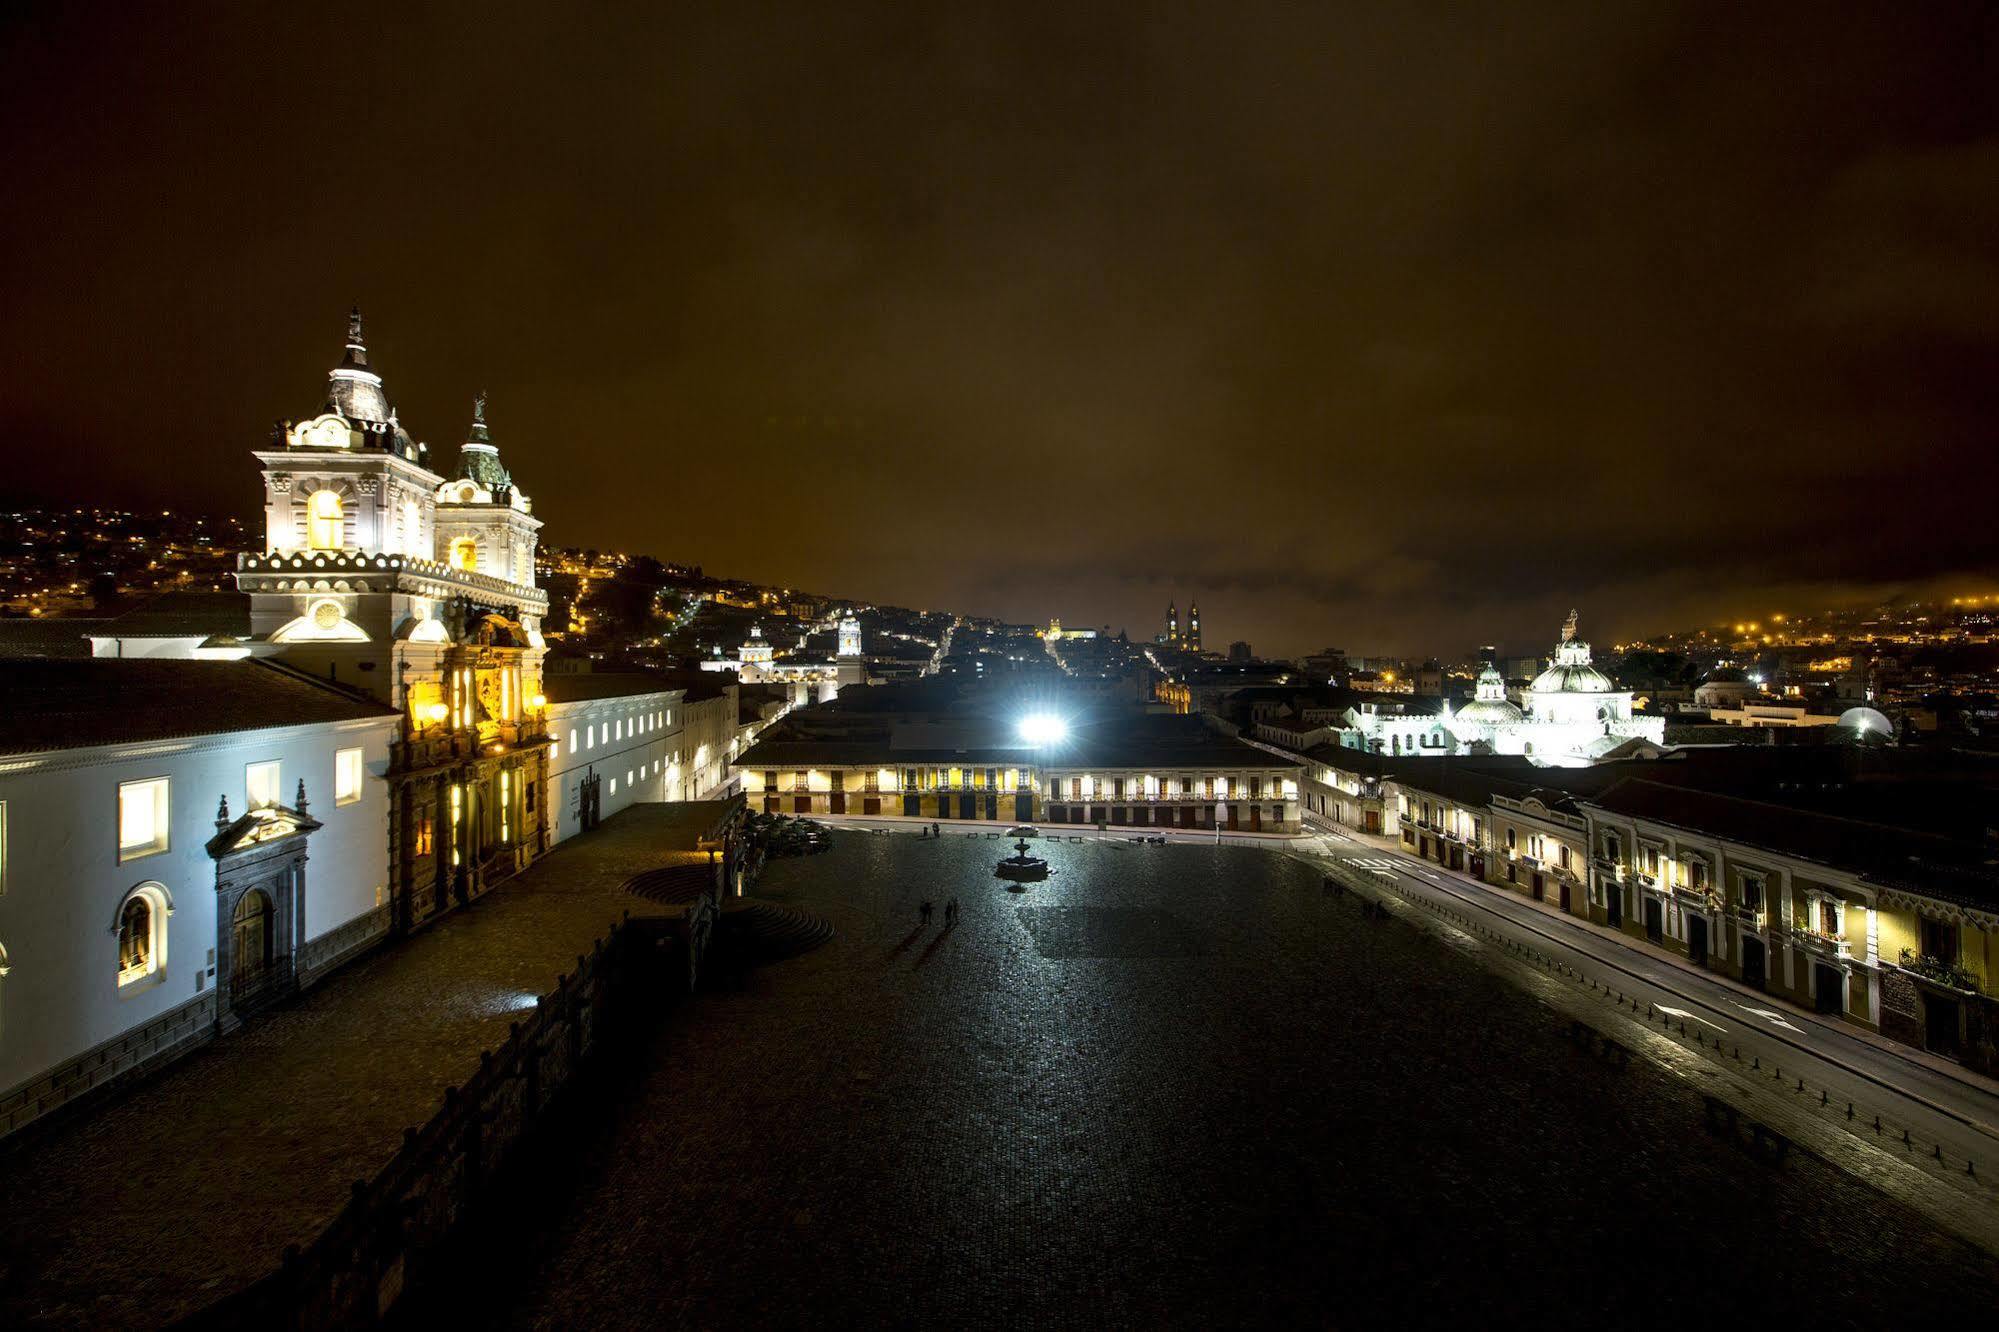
x,y
192,1184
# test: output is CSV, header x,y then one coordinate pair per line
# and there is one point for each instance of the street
x,y
1938,1105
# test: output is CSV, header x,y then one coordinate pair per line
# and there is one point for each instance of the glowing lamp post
x,y
1042,730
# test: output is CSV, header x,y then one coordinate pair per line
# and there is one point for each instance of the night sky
x,y
1397,330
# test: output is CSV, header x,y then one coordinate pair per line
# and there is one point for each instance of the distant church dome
x,y
1572,672
1490,706
1864,724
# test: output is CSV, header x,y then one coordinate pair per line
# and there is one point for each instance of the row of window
x,y
1826,915
326,529
633,774
145,806
644,723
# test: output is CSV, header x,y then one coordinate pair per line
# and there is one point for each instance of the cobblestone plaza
x,y
1176,1085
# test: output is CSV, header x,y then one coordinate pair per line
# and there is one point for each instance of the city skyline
x,y
1567,344
961,666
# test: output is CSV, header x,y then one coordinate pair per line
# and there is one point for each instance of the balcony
x,y
1697,899
1936,972
1750,917
1832,947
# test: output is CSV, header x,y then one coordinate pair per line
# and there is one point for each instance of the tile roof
x,y
185,614
1886,855
863,740
54,704
590,686
47,636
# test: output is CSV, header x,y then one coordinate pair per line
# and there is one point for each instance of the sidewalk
x,y
191,1185
1970,1079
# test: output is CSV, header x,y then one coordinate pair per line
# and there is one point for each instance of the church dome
x,y
479,457
1572,672
1489,712
1490,707
1572,678
353,389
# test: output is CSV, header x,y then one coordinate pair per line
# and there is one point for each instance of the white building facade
x,y
158,886
617,740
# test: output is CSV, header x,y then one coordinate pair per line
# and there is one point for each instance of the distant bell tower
x,y
1172,624
850,637
1194,626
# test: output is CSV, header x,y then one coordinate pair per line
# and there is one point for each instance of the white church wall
x,y
65,882
632,744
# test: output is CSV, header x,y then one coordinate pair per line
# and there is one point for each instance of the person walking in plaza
x,y
951,914
924,911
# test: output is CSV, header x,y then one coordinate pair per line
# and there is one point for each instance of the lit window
x,y
142,818
323,521
614,786
261,785
346,776
142,943
412,526
572,739
590,738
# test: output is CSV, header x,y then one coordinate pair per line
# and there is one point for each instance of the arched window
x,y
412,527
141,926
138,953
465,554
323,521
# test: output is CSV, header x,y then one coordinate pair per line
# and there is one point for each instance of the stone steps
x,y
674,885
778,932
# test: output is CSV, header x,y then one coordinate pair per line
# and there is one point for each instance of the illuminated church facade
x,y
1574,715
382,575
1186,637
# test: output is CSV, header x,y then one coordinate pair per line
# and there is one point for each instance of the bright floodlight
x,y
1042,729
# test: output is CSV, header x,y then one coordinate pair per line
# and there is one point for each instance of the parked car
x,y
1023,830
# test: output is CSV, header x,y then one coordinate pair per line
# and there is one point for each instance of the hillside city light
x,y
1042,729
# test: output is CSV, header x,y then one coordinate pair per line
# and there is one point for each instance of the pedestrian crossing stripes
x,y
1379,864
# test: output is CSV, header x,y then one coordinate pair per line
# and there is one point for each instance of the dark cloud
x,y
1400,329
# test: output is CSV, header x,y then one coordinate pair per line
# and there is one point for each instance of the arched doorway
x,y
252,940
259,909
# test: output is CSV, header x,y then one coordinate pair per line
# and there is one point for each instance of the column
x,y
1784,910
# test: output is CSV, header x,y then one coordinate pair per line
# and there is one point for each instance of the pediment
x,y
260,828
